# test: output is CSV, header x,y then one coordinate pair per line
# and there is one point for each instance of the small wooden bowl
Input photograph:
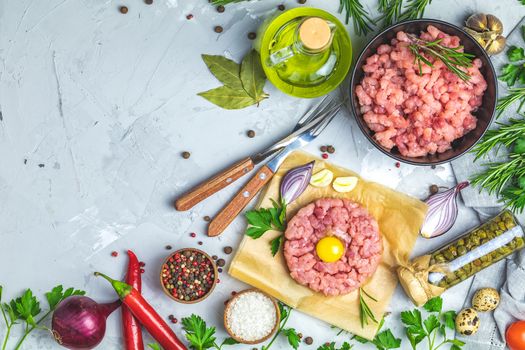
x,y
215,276
240,340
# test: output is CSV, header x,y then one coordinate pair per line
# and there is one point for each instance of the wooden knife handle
x,y
214,185
239,202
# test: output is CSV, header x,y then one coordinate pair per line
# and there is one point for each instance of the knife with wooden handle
x,y
263,176
240,201
214,185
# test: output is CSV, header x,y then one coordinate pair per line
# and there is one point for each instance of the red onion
x,y
295,182
442,211
79,322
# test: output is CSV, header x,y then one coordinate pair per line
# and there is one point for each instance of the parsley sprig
x,y
200,336
291,334
436,323
331,346
267,219
26,310
384,340
515,71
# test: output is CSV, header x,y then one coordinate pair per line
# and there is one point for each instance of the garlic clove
x,y
494,24
496,46
345,184
478,22
322,178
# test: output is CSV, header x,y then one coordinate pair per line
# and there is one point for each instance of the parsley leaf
x,y
434,305
515,54
275,244
228,341
293,338
199,336
154,346
331,346
28,307
386,340
265,219
56,295
512,73
431,323
449,318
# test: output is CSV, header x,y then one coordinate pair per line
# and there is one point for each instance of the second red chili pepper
x,y
130,325
146,315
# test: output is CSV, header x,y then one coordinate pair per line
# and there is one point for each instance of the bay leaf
x,y
225,70
228,98
252,76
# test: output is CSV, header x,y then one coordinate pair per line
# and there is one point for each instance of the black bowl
x,y
485,113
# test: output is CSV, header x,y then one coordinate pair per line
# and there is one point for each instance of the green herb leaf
x,y
431,323
228,98
229,341
331,346
293,338
365,312
449,318
512,73
198,335
55,296
283,309
414,338
519,145
412,318
456,342
27,307
275,244
386,340
252,76
154,346
225,70
515,54
434,305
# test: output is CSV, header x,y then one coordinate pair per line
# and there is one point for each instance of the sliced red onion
x,y
295,182
442,211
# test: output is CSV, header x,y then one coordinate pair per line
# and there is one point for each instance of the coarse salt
x,y
251,316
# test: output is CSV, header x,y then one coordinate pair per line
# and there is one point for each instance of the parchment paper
x,y
399,216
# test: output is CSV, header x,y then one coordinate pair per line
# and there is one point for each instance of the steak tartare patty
x,y
423,113
346,220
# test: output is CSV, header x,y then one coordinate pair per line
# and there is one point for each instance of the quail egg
x,y
485,299
467,322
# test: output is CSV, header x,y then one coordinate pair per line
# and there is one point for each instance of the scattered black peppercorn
x,y
323,149
308,340
301,1
41,165
219,269
434,189
221,262
252,35
168,247
433,167
251,133
215,257
148,2
190,16
199,242
123,10
220,9
218,29
330,149
207,218
228,250
281,7
186,154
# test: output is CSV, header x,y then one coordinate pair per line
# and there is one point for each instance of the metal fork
x,y
263,176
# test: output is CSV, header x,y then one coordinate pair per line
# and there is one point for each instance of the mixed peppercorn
x,y
188,275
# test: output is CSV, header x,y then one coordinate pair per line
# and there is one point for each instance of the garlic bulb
x,y
487,30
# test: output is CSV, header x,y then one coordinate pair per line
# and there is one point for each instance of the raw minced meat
x,y
349,222
419,114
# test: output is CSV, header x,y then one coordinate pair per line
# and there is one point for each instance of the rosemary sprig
x,y
515,95
363,24
390,11
506,135
501,174
453,57
365,312
415,9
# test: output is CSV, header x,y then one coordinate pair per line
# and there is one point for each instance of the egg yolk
x,y
329,249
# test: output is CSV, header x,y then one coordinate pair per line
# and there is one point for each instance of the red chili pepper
x,y
146,315
130,325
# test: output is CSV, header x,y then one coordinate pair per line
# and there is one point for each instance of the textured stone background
x,y
96,107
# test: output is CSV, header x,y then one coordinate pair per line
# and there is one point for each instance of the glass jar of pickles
x,y
476,250
430,275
